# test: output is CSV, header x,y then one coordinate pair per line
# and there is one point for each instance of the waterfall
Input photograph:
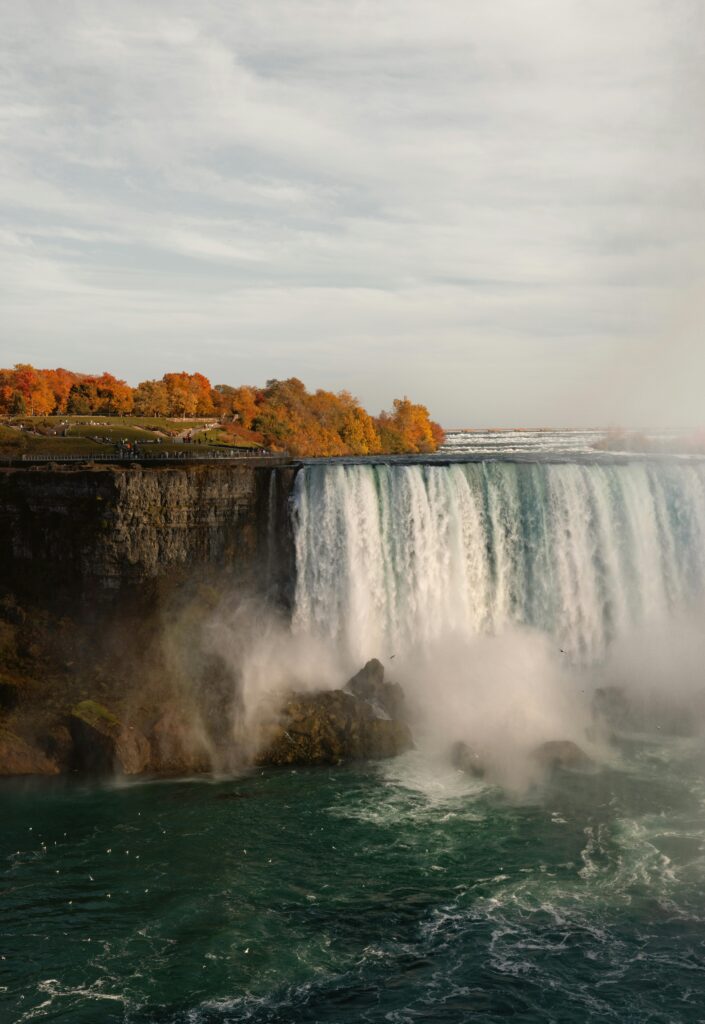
x,y
390,555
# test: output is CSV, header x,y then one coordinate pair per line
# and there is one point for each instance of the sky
x,y
493,206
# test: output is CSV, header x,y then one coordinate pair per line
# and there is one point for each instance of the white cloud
x,y
488,204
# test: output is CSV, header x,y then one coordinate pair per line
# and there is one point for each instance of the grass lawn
x,y
15,443
100,437
112,433
168,426
221,439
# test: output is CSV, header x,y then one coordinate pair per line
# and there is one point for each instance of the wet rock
x,y
102,744
19,757
369,685
561,754
463,757
176,747
329,727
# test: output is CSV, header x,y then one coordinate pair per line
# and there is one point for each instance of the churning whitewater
x,y
388,555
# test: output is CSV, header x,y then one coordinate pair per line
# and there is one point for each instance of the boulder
x,y
369,685
329,727
467,760
102,744
561,754
18,757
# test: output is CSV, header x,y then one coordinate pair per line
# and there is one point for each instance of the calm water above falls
x,y
404,891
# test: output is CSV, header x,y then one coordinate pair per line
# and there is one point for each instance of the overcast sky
x,y
495,206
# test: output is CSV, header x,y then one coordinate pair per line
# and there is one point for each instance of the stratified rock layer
x,y
79,533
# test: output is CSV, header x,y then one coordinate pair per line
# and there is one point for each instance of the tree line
x,y
282,415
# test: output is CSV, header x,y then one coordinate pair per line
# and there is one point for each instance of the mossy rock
x,y
93,713
330,727
103,745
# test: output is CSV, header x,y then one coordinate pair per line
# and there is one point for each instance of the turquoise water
x,y
396,892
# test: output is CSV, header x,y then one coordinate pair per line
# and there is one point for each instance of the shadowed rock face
x,y
104,572
78,534
18,757
102,745
329,727
9,694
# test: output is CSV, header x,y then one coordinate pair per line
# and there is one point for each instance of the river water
x,y
504,594
384,893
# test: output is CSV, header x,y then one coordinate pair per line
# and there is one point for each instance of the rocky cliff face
x,y
82,534
108,579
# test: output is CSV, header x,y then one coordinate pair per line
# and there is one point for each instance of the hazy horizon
x,y
496,209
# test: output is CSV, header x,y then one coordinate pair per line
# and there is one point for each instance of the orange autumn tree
x,y
151,398
34,389
409,428
60,381
283,415
238,404
291,419
188,394
324,423
115,396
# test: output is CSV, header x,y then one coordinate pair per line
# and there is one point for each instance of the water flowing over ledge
x,y
389,555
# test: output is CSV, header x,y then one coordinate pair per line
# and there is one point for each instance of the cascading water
x,y
391,555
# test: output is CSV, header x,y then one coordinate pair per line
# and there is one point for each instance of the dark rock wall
x,y
89,534
109,578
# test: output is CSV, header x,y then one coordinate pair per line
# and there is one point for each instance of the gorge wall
x,y
108,575
91,534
